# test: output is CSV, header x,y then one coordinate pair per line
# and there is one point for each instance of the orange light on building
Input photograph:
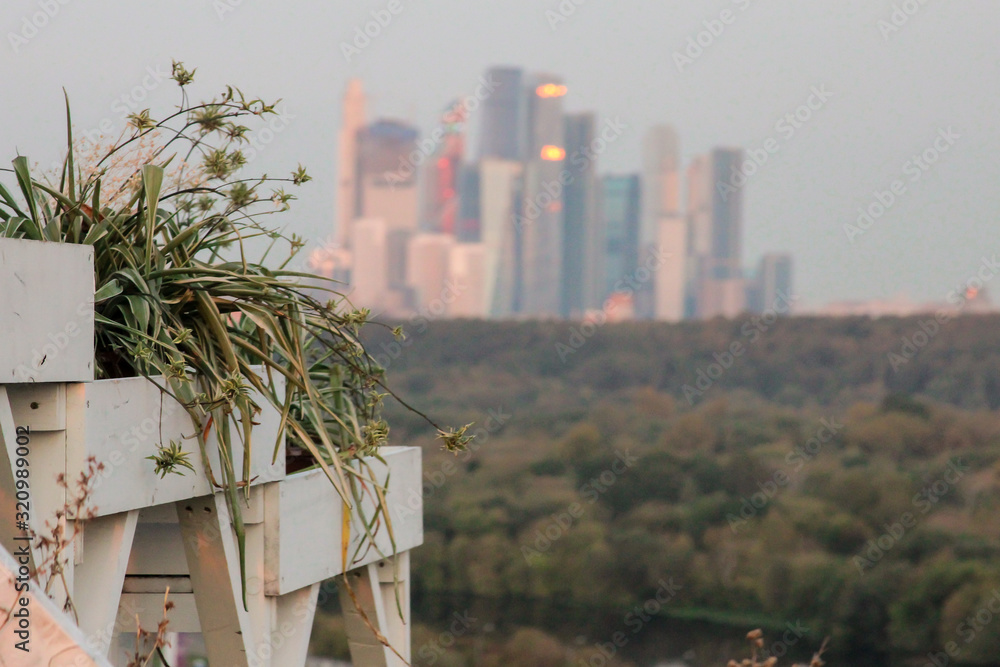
x,y
553,153
551,90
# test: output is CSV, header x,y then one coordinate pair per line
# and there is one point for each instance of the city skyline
x,y
892,95
527,226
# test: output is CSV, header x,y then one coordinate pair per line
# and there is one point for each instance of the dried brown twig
x,y
148,644
756,639
62,532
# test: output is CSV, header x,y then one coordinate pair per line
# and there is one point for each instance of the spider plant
x,y
182,299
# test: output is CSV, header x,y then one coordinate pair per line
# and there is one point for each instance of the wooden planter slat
x,y
123,426
291,521
46,312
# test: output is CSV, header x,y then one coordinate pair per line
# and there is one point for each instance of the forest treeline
x,y
792,361
806,480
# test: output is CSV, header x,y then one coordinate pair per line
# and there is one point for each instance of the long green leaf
x,y
152,183
10,201
69,149
27,186
107,291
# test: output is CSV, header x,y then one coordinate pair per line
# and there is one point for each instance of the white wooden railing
x,y
149,534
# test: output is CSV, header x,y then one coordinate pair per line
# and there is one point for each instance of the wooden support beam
x,y
48,499
292,626
213,561
375,590
100,576
394,584
40,407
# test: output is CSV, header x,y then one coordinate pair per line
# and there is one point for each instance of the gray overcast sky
x,y
892,93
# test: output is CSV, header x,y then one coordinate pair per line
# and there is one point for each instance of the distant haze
x,y
892,92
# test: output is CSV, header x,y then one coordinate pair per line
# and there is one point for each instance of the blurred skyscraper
x,y
622,213
699,227
427,261
469,214
583,237
502,115
542,221
501,199
443,170
386,175
727,216
466,286
352,121
715,220
660,180
663,237
397,241
772,286
369,274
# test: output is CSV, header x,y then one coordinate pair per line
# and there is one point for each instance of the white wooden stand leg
x,y
213,560
292,626
99,577
261,612
41,410
375,588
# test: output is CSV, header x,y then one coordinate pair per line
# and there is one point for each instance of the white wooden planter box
x,y
291,520
151,533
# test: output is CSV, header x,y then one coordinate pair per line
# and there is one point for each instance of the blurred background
x,y
713,280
